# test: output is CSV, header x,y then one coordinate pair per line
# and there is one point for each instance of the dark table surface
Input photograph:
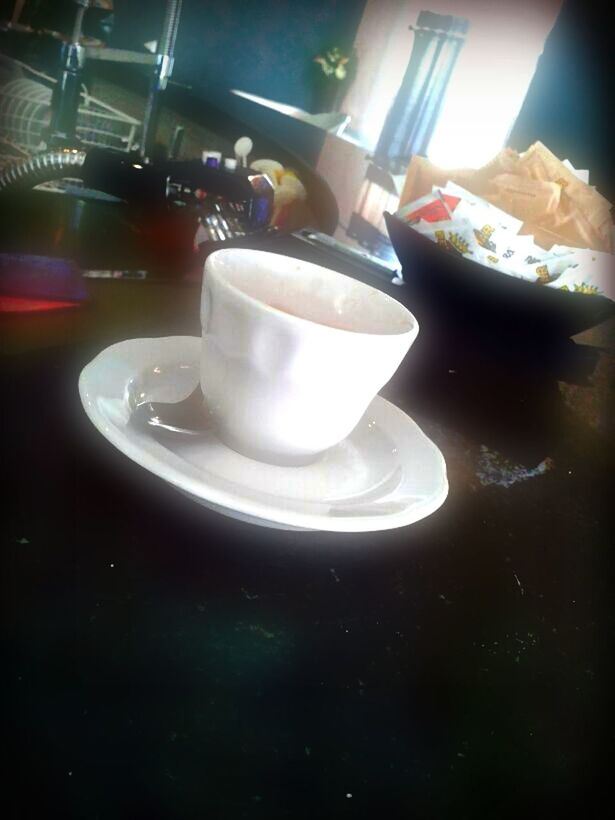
x,y
161,660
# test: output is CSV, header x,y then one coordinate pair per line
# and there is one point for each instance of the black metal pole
x,y
66,93
162,72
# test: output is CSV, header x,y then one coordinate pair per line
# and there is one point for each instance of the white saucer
x,y
386,474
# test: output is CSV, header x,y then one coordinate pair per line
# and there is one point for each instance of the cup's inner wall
x,y
311,292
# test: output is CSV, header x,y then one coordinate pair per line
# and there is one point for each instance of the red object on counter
x,y
21,304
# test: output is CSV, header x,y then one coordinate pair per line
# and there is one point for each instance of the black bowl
x,y
441,285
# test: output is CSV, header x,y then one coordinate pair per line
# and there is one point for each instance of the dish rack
x,y
25,109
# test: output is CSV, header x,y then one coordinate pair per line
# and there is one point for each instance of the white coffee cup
x,y
293,353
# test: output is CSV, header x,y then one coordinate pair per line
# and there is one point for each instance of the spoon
x,y
185,417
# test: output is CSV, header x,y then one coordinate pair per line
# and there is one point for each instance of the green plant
x,y
334,63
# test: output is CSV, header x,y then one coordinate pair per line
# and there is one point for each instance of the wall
x,y
265,47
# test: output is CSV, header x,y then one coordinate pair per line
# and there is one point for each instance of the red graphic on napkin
x,y
434,211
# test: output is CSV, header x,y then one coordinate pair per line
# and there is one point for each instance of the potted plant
x,y
334,71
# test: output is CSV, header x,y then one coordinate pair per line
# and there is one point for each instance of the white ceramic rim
x,y
129,446
213,271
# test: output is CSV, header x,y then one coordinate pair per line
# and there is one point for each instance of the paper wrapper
x,y
552,200
422,176
527,199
